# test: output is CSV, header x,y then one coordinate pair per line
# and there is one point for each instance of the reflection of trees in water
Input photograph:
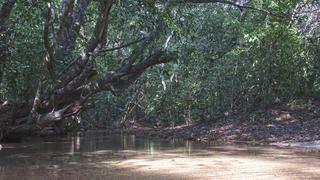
x,y
75,144
99,141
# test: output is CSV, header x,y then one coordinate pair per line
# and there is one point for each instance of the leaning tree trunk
x,y
71,88
75,85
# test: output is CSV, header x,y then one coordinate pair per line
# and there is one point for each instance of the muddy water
x,y
96,155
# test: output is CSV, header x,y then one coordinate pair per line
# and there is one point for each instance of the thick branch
x,y
36,102
67,7
137,52
100,29
102,51
45,120
83,66
40,121
67,34
121,80
49,57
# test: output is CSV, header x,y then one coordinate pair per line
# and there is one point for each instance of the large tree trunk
x,y
74,87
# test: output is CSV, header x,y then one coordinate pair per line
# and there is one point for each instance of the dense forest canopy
x,y
174,60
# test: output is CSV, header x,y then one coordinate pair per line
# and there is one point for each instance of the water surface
x,y
98,155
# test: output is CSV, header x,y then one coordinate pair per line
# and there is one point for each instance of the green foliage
x,y
227,59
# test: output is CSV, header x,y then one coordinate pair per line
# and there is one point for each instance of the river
x,y
99,155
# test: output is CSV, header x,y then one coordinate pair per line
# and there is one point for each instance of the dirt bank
x,y
279,124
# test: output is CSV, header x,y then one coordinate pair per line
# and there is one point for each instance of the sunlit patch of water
x,y
97,155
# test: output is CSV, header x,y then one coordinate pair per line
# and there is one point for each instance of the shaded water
x,y
97,155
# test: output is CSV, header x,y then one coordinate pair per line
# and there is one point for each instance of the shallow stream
x,y
98,155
